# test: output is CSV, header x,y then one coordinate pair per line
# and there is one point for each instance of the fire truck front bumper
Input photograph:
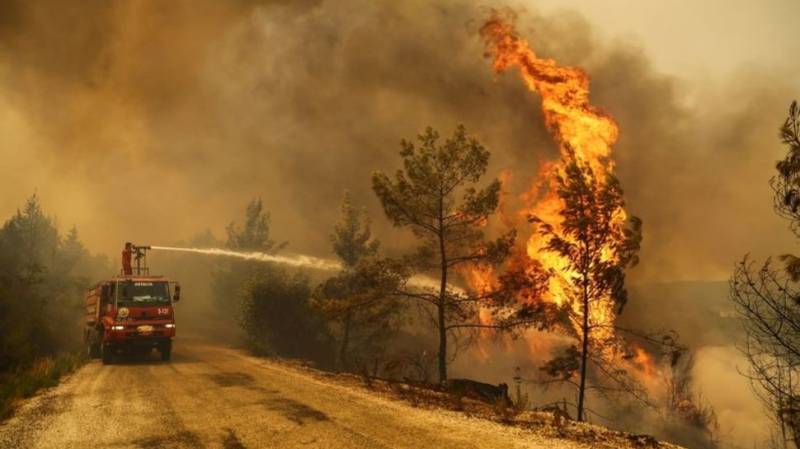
x,y
140,333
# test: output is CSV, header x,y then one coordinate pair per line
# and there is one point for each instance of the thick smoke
x,y
170,117
146,121
153,121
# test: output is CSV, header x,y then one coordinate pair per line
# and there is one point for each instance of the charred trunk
x,y
442,324
584,351
442,298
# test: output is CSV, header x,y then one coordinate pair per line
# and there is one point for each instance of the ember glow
x,y
584,134
644,361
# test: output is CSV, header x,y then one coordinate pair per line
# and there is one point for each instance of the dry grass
x,y
42,373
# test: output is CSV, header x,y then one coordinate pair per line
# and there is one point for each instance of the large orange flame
x,y
583,132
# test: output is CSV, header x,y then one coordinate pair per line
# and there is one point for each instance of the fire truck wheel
x,y
92,344
107,355
93,350
166,351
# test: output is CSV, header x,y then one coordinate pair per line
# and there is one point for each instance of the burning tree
x,y
767,299
596,243
690,409
436,196
583,238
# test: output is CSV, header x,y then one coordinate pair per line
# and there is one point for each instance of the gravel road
x,y
212,396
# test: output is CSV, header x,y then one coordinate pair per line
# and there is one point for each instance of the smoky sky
x,y
154,121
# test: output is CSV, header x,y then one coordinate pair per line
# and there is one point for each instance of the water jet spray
x,y
294,260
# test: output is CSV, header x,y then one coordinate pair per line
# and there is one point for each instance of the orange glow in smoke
x,y
644,361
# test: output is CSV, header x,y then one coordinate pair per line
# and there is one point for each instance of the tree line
x,y
42,281
440,196
358,319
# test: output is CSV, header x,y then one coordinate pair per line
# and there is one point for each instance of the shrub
x,y
277,318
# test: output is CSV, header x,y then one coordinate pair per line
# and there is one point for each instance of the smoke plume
x,y
149,122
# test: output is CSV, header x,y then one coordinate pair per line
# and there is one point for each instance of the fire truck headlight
x,y
170,325
117,328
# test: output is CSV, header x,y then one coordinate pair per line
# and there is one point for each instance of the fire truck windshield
x,y
135,293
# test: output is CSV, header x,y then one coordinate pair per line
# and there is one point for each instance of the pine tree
x,y
598,248
359,300
232,275
436,195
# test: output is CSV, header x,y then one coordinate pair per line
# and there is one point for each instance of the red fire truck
x,y
132,312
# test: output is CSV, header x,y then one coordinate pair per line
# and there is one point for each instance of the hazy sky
x,y
697,39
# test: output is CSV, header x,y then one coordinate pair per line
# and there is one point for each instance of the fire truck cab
x,y
132,312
